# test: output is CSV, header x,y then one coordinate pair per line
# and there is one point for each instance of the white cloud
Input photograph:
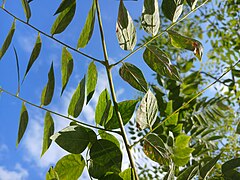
x,y
27,42
18,173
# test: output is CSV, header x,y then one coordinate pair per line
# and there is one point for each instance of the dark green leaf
x,y
207,168
67,67
170,173
23,122
126,109
52,174
92,76
126,32
73,139
48,90
172,9
127,174
190,89
18,70
188,173
158,61
150,17
147,111
133,76
26,8
192,3
34,55
238,128
64,5
109,137
70,167
8,40
87,31
230,165
48,132
104,109
180,41
64,19
77,101
112,176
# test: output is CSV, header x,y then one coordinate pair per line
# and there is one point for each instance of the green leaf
x,y
150,17
8,40
18,70
180,41
158,61
190,89
48,90
64,19
192,3
126,109
73,139
188,173
155,149
147,111
112,176
127,174
92,76
172,121
23,122
34,55
133,76
48,132
109,137
105,156
230,165
170,173
104,109
207,168
172,9
77,101
64,5
27,9
181,150
238,128
52,174
67,67
87,30
70,167
126,32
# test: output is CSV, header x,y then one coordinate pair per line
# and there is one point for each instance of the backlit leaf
x,y
64,5
127,174
172,9
109,137
92,76
64,19
104,109
48,132
23,122
48,90
73,139
70,167
34,55
26,8
180,41
67,67
147,111
8,40
77,101
126,32
192,3
52,174
150,17
158,61
87,31
133,76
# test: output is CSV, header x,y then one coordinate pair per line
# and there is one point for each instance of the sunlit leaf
x,y
26,8
52,174
34,55
48,132
192,3
73,139
133,76
23,122
8,40
150,17
127,174
67,67
158,61
77,101
104,109
70,167
109,137
64,19
64,5
147,111
180,41
48,90
126,32
87,31
172,9
92,76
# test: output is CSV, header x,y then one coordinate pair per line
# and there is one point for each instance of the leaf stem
x,y
113,94
51,37
158,35
55,113
184,105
